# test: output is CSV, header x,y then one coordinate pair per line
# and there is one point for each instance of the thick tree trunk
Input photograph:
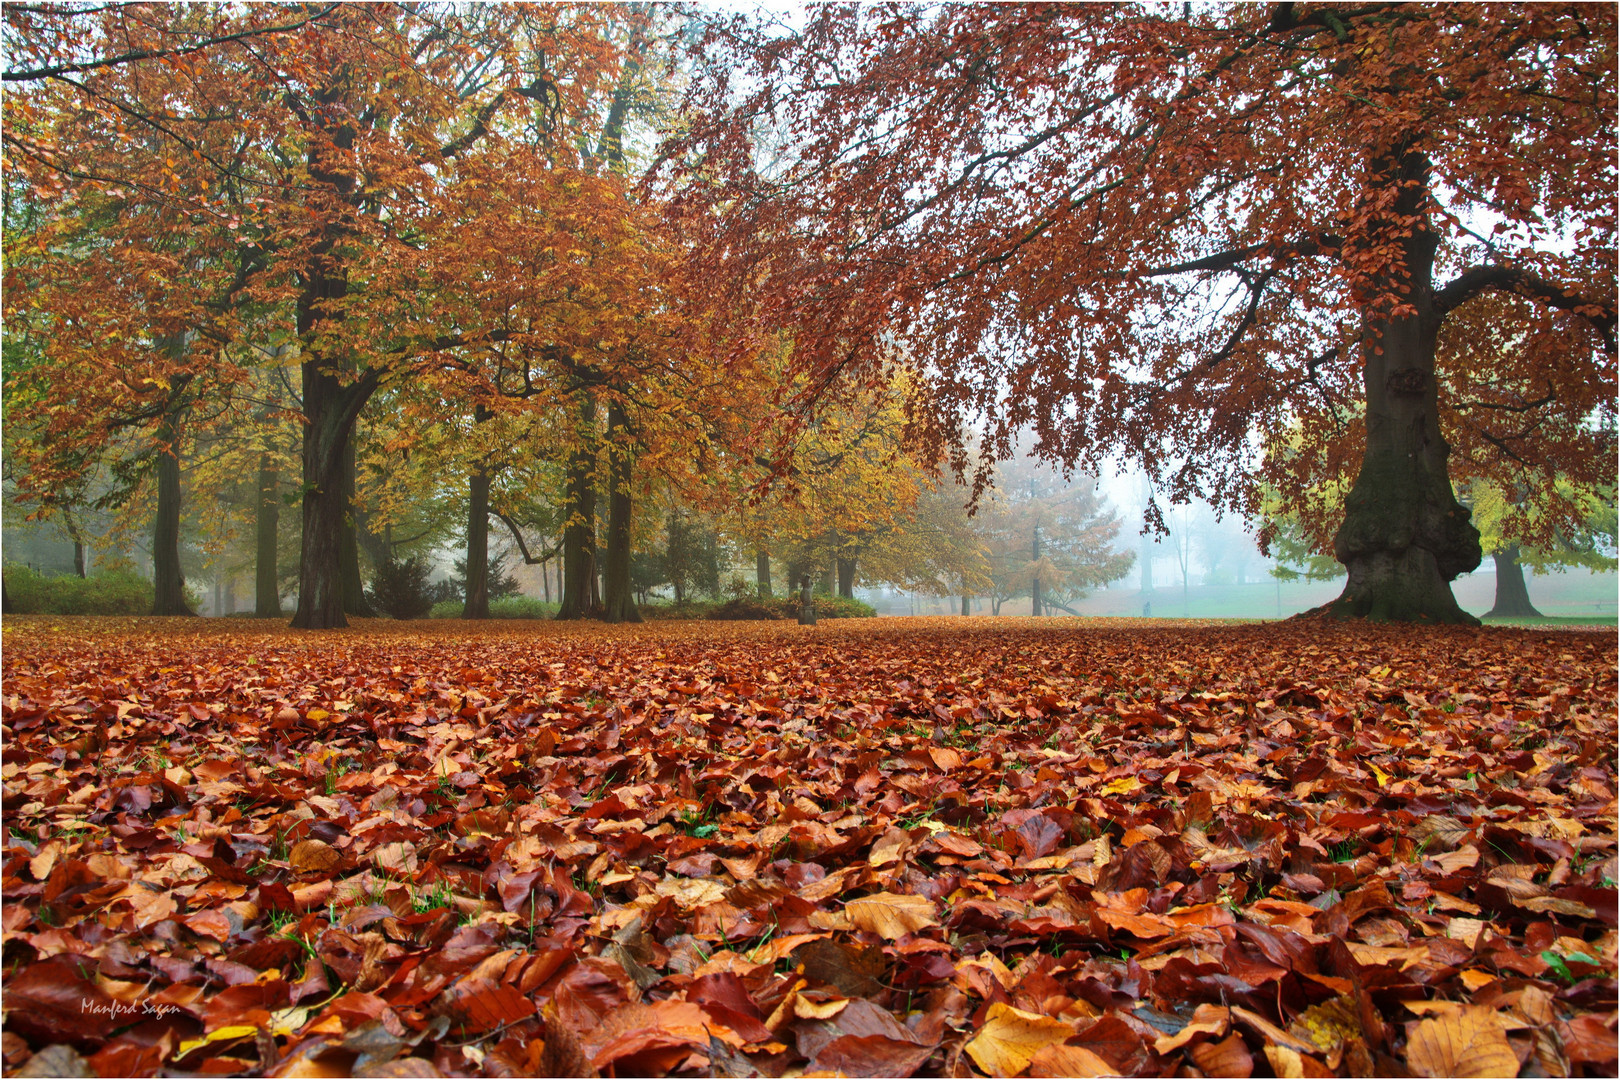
x,y
477,599
266,590
1405,537
354,588
579,534
846,578
330,411
967,602
79,559
618,604
168,584
1512,597
762,572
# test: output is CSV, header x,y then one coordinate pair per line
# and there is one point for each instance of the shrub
x,y
687,609
521,607
118,593
401,589
743,607
828,607
506,607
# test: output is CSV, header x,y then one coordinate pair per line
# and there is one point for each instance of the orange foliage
x,y
1074,850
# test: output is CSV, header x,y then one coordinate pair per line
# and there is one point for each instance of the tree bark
x,y
168,583
762,572
1405,537
579,533
967,602
476,601
1512,597
846,577
619,605
354,588
266,590
330,411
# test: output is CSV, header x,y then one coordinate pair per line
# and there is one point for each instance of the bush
x,y
686,609
120,593
506,607
401,589
839,607
743,607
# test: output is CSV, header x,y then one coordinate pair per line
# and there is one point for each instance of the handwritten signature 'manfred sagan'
x,y
118,1009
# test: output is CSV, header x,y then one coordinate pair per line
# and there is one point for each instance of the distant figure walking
x,y
1147,610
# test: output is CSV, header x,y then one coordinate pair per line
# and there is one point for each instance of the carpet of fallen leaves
x,y
884,848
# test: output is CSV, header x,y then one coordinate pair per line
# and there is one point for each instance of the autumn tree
x,y
1047,537
1149,232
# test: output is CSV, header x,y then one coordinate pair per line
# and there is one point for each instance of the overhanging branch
x,y
1480,279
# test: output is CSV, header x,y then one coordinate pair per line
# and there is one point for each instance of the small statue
x,y
807,606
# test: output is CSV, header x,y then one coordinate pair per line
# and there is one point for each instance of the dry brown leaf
x,y
892,915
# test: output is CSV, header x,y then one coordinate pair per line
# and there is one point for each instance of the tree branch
x,y
31,74
1479,279
530,560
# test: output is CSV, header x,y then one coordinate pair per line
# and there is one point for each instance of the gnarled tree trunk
x,y
1512,597
1405,537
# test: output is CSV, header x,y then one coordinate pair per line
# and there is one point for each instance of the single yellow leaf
x,y
1011,1037
224,1034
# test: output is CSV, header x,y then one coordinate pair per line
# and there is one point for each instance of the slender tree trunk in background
x,y
1405,537
545,580
266,591
78,559
579,534
1512,597
762,573
826,583
1146,558
618,602
168,584
1035,581
476,601
846,578
967,602
230,595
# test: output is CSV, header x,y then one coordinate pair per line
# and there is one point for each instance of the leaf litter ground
x,y
924,847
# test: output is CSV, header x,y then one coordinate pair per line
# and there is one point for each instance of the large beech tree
x,y
1151,231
